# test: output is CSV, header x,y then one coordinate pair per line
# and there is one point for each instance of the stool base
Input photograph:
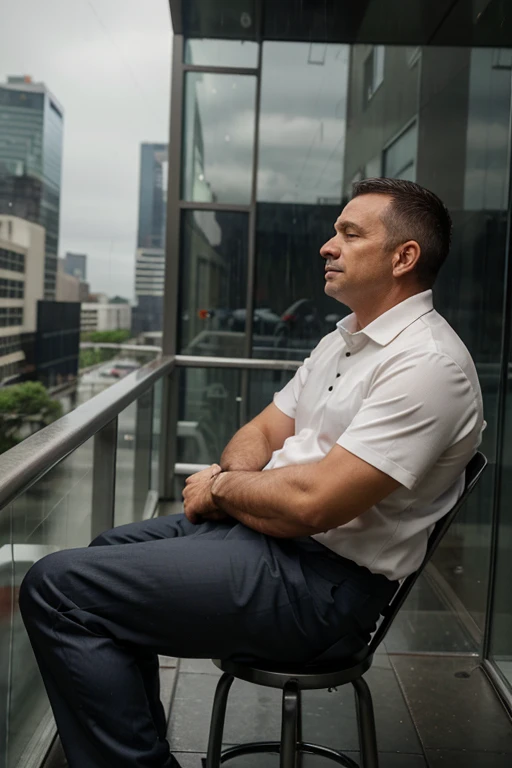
x,y
275,747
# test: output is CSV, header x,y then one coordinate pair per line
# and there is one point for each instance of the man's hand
x,y
198,503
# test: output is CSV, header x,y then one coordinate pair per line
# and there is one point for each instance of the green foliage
x,y
90,357
106,337
22,406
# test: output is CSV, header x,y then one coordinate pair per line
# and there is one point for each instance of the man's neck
x,y
367,312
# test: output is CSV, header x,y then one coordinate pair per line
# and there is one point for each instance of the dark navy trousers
x,y
97,618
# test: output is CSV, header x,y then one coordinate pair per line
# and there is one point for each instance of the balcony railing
x,y
106,463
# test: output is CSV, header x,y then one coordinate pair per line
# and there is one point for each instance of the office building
x,y
103,315
21,287
68,285
149,259
75,264
31,129
152,195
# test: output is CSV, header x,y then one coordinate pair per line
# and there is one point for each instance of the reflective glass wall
x,y
266,172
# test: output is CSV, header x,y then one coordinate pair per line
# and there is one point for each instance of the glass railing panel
x,y
6,605
125,465
155,439
54,514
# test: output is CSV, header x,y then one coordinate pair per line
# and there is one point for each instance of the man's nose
x,y
330,250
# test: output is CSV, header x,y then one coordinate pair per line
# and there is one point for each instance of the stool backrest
x,y
473,472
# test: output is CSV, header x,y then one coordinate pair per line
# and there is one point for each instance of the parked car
x,y
264,320
119,368
300,321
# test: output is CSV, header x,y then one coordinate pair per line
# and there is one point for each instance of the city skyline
x,y
114,89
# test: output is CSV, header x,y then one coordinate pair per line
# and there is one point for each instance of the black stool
x,y
294,679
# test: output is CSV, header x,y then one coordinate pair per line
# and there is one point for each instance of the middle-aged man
x,y
363,451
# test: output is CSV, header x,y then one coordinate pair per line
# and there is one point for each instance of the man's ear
x,y
406,258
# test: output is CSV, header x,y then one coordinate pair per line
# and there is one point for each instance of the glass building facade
x,y
150,256
277,109
31,134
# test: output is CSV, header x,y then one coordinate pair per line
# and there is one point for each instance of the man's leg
x,y
170,526
216,590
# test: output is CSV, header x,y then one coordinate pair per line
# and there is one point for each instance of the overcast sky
x,y
108,64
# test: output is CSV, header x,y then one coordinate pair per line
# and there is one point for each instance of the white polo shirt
x,y
403,395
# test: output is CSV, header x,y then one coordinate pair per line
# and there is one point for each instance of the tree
x,y
24,407
106,337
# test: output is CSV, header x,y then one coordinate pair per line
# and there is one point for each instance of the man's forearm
x,y
274,502
248,450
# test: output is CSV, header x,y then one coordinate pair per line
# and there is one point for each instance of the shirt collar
x,y
390,324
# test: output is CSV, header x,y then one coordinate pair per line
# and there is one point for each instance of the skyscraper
x,y
75,264
149,260
152,196
31,127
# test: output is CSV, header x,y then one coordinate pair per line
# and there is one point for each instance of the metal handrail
x,y
244,363
22,465
26,462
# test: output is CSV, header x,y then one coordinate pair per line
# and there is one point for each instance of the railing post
x,y
143,445
104,478
168,434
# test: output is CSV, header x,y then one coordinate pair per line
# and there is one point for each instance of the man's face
x,y
358,266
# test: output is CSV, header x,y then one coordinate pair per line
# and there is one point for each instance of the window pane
x,y
208,413
400,157
302,123
218,137
221,53
292,312
213,283
262,387
209,18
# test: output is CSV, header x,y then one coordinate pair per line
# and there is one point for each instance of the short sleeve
x,y
288,397
418,405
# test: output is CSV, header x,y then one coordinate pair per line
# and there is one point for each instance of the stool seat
x,y
308,676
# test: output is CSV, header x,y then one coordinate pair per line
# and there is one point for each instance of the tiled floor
x,y
431,712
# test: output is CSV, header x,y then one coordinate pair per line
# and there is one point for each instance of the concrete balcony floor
x,y
431,712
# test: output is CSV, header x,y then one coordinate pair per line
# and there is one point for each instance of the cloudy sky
x,y
108,64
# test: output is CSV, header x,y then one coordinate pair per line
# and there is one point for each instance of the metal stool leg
x,y
366,724
299,760
289,725
217,722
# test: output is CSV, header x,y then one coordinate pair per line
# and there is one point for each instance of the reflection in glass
x,y
125,506
155,440
302,122
221,53
209,407
218,137
292,309
262,387
53,514
213,283
400,157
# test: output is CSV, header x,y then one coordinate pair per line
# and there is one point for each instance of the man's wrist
x,y
214,484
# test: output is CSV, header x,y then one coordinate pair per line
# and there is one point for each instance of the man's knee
x,y
107,537
42,579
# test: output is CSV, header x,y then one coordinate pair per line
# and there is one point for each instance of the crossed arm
x,y
292,501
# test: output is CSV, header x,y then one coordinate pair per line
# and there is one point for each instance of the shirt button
x,y
330,389
338,375
347,354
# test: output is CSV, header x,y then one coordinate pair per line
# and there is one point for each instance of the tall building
x,y
152,196
21,287
75,264
150,257
31,128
